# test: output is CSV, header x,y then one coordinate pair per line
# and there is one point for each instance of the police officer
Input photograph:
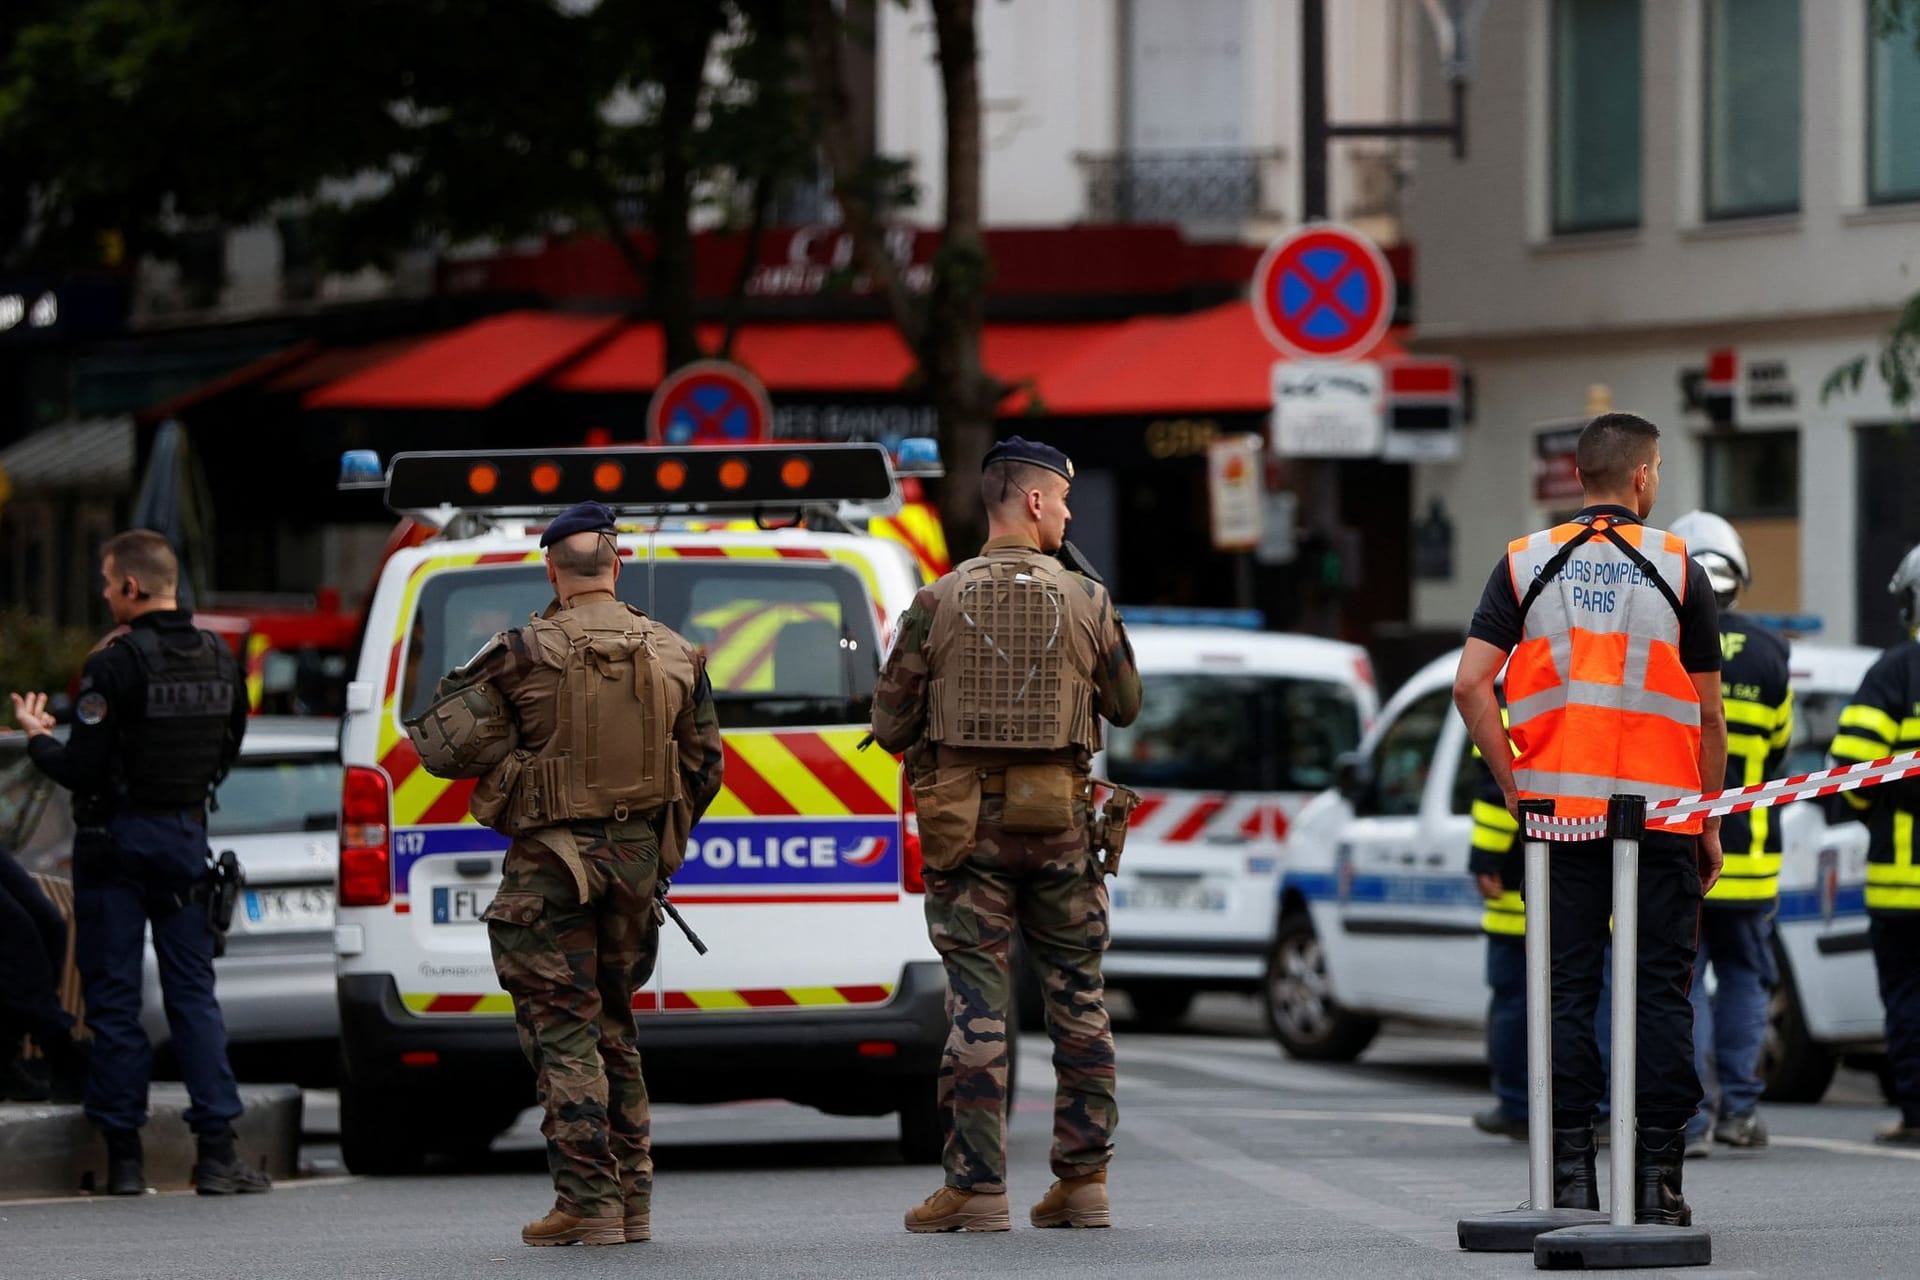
x,y
1494,860
996,684
33,950
158,720
1882,720
1612,687
1736,929
574,724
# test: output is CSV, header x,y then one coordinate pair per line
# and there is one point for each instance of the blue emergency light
x,y
1175,616
360,469
918,456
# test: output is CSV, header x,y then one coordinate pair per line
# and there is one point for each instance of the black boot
x,y
218,1171
67,1064
1656,1175
126,1172
20,1080
1574,1186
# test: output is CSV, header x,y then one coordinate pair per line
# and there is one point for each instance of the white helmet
x,y
1906,589
1715,544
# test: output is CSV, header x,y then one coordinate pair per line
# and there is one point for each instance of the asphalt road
x,y
1232,1162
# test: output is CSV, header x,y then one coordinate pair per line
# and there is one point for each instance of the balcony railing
x,y
1186,187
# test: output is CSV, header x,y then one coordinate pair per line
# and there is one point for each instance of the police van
x,y
804,878
1239,729
1379,917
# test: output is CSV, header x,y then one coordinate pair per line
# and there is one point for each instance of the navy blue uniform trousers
x,y
158,858
1896,960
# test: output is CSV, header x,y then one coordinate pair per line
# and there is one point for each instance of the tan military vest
x,y
1016,640
624,680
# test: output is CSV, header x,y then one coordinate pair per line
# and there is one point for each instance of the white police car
x,y
804,878
1239,729
1379,917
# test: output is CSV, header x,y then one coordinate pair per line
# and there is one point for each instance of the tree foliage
x,y
396,124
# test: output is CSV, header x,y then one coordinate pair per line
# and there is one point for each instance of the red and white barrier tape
x,y
1717,804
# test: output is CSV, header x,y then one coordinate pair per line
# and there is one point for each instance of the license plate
x,y
460,904
269,910
1148,896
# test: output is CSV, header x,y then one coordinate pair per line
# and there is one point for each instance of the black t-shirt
x,y
1497,619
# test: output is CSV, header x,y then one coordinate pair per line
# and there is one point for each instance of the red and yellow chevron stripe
x,y
917,527
500,1004
740,638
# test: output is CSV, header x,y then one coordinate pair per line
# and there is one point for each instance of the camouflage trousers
x,y
572,969
1048,888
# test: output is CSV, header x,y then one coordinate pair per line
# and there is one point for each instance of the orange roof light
x,y
546,477
733,473
670,475
607,476
483,478
795,472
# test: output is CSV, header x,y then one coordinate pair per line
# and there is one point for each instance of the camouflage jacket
x,y
900,696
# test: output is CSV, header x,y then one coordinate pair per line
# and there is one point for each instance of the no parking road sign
x,y
1323,292
709,402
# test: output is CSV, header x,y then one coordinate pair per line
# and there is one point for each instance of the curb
x,y
49,1150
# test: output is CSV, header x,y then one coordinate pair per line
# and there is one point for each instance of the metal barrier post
x,y
1514,1230
1622,1243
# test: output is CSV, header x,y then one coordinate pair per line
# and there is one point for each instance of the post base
x,y
1513,1230
1603,1247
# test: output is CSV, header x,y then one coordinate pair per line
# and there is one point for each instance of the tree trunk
x,y
943,330
964,395
684,36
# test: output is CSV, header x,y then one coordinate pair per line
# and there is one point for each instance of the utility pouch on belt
x,y
947,802
1110,824
493,795
1039,799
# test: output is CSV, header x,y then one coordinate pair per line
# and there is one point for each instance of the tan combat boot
x,y
639,1219
1075,1202
561,1227
951,1209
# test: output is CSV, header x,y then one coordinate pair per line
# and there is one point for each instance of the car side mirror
x,y
1354,773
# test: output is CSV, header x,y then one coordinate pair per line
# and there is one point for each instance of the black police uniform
x,y
33,948
158,721
1883,720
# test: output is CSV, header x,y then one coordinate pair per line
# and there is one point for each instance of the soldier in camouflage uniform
x,y
994,688
618,755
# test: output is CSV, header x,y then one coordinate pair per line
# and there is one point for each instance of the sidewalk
x,y
49,1150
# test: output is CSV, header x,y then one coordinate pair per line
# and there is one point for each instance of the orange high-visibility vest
x,y
1599,700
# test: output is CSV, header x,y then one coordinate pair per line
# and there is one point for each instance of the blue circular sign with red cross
x,y
1323,292
709,402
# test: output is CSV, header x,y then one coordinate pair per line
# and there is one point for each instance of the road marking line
x,y
1280,1113
1297,1187
1278,1076
1841,1146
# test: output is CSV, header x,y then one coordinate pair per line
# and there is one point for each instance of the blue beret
x,y
581,517
1014,449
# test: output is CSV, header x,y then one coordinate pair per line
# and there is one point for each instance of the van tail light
x,y
912,872
366,861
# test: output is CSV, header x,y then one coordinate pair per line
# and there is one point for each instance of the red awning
x,y
472,367
233,380
1213,361
867,357
335,363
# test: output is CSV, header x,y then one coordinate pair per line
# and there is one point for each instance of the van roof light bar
x,y
644,479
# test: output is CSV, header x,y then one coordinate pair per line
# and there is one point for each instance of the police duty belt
x,y
1718,804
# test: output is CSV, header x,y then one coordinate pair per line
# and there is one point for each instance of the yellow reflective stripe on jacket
x,y
1752,873
1895,886
1506,914
1493,827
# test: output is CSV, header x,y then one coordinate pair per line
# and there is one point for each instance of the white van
x,y
1238,730
1379,917
804,878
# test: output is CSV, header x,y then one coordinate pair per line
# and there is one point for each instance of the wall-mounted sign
x,y
1556,478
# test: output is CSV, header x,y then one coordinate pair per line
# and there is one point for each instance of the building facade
x,y
1696,210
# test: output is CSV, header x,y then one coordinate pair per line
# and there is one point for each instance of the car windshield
x,y
1235,733
266,794
1816,717
787,642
